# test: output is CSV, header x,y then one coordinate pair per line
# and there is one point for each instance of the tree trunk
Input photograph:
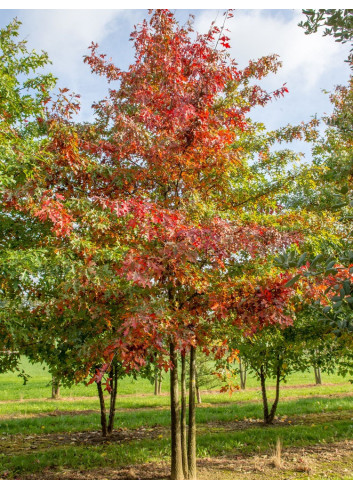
x,y
317,372
198,393
160,383
176,459
275,403
156,383
55,388
242,371
113,394
192,420
264,394
184,451
269,415
102,408
319,381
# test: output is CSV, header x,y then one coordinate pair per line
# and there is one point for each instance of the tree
x,y
171,136
261,332
242,373
34,265
321,348
156,201
270,355
205,375
337,22
327,267
24,91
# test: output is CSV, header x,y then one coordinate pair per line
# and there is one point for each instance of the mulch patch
x,y
17,444
152,471
324,461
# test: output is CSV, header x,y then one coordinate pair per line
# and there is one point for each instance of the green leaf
x,y
302,259
292,281
330,264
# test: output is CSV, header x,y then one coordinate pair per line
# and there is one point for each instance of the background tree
x,y
337,22
330,196
260,329
44,276
24,91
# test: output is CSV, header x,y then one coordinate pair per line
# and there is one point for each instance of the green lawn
x,y
38,385
132,419
39,435
210,444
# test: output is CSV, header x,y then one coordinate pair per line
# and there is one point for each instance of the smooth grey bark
x,y
160,383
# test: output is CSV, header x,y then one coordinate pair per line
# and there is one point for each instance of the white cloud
x,y
255,33
310,63
66,35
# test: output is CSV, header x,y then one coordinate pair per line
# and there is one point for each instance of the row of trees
x,y
160,230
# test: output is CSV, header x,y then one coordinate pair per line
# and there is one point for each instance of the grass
x,y
82,457
38,386
228,426
260,439
144,451
150,418
28,407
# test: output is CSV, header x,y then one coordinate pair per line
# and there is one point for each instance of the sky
x,y
311,64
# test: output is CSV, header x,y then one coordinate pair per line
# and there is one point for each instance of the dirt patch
x,y
303,419
57,412
326,461
336,395
80,412
17,444
152,471
323,462
283,387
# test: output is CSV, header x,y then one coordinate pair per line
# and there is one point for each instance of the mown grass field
x,y
42,438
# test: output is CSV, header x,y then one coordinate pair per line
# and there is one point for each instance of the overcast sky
x,y
310,63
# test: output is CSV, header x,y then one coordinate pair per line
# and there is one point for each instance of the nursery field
x,y
41,438
165,228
